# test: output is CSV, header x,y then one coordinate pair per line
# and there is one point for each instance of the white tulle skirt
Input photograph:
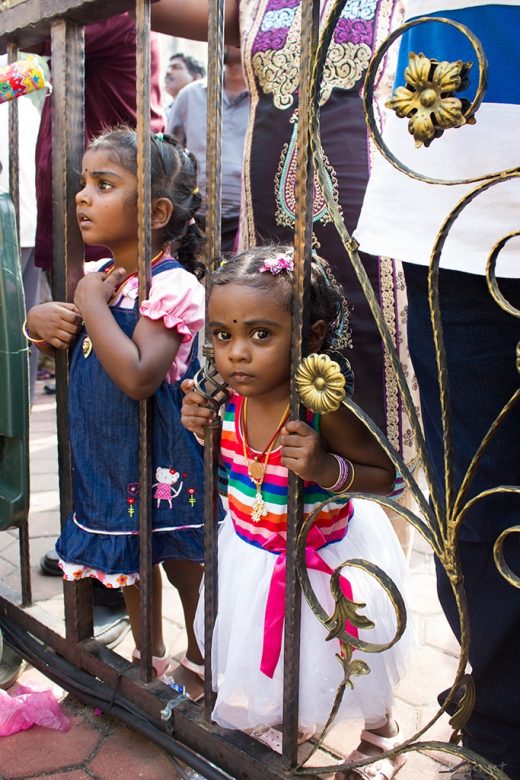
x,y
247,698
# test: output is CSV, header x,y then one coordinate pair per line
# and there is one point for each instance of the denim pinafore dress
x,y
102,531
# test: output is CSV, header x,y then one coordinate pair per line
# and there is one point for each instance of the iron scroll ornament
x,y
439,528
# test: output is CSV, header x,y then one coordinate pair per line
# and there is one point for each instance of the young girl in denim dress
x,y
119,358
249,319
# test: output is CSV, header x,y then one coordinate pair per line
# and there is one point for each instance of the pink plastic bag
x,y
30,706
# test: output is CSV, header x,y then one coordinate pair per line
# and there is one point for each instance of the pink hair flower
x,y
277,264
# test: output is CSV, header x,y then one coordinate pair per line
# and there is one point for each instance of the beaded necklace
x,y
256,469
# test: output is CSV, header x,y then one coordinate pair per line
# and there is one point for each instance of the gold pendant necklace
x,y
255,469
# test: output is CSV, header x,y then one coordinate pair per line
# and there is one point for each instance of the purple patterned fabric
x,y
274,38
279,5
270,40
354,31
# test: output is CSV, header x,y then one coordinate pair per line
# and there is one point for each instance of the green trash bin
x,y
14,381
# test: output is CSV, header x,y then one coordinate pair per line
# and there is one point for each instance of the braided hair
x,y
173,176
327,301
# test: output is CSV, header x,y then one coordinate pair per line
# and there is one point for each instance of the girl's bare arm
x,y
345,435
308,453
189,19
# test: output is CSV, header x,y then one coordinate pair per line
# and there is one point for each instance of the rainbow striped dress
x,y
270,531
247,645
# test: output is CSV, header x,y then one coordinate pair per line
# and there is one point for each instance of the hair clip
x,y
159,136
276,265
195,191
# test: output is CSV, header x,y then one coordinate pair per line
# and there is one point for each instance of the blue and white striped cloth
x,y
400,216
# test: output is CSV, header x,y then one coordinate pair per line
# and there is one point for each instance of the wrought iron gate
x,y
81,665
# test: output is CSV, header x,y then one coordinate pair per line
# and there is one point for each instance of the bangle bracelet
x,y
345,476
199,440
30,338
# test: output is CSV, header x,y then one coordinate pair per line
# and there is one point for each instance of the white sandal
x,y
383,769
272,737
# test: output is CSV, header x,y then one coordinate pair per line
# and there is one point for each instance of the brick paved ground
x,y
100,747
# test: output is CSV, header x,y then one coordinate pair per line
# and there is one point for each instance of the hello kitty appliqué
x,y
166,479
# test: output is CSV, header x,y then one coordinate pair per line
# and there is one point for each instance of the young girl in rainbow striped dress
x,y
249,318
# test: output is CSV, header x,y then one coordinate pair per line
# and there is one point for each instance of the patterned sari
x,y
270,31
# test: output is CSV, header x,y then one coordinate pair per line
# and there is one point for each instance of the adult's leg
x,y
494,614
480,342
228,233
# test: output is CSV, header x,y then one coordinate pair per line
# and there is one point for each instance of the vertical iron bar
x,y
211,459
14,169
14,191
144,233
302,256
68,63
214,129
212,435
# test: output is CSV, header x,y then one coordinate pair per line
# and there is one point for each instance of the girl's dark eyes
x,y
102,185
221,335
260,334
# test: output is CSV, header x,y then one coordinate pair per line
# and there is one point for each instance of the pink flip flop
x,y
189,678
161,664
197,669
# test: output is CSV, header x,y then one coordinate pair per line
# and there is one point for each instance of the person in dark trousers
x,y
481,341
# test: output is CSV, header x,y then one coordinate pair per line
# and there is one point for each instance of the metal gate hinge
x,y
167,712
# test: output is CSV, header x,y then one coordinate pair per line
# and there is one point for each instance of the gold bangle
x,y
345,476
351,481
30,338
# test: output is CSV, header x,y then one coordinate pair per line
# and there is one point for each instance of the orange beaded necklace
x,y
256,469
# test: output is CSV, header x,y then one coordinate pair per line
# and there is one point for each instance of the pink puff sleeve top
x,y
177,296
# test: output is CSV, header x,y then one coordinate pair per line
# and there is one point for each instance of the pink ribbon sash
x,y
275,606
